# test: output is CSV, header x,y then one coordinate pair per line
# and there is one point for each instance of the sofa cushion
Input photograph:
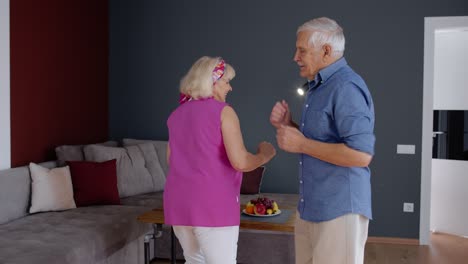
x,y
15,192
94,183
148,200
15,187
132,175
153,165
75,152
252,180
51,189
160,147
83,235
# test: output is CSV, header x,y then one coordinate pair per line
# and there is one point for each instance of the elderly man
x,y
335,140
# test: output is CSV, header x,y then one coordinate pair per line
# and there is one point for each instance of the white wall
x,y
449,199
5,145
451,69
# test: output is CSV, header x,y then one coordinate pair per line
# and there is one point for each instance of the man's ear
x,y
327,51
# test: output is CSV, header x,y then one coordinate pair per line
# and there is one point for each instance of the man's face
x,y
310,59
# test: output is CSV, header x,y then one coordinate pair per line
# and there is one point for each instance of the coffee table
x,y
156,218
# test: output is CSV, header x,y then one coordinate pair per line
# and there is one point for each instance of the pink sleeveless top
x,y
202,188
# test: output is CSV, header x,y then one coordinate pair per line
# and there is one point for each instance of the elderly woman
x,y
206,155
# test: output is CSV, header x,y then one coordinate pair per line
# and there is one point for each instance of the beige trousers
x,y
338,241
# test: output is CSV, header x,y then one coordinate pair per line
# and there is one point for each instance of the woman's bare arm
x,y
240,158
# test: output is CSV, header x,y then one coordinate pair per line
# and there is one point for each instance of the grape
x,y
268,203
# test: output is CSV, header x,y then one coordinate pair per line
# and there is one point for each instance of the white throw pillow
x,y
51,189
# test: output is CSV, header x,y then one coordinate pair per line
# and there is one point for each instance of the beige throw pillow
x,y
51,189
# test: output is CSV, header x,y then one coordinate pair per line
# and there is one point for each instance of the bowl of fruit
x,y
262,207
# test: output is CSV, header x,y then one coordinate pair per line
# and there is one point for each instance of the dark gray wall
x,y
153,44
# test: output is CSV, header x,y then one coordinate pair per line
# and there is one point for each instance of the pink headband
x,y
217,74
218,71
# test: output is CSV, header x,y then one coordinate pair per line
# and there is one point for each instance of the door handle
x,y
436,133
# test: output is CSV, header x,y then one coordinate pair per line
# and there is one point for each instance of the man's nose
x,y
295,57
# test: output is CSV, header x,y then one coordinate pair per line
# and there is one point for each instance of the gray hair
x,y
198,82
325,31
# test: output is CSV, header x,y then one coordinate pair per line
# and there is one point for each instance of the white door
x,y
445,87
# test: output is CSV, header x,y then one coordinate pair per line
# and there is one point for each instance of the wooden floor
x,y
444,249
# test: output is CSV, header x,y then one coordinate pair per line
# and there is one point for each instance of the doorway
x,y
432,26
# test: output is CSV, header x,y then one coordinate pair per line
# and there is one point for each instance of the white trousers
x,y
208,245
338,241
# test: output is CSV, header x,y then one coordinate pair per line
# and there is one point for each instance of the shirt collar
x,y
326,72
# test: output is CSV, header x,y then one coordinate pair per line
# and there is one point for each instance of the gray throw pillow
x,y
66,153
132,175
159,145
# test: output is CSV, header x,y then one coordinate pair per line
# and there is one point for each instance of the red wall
x,y
59,76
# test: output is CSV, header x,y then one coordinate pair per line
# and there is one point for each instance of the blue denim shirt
x,y
338,109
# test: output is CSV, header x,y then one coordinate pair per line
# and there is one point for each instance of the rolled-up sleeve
x,y
354,117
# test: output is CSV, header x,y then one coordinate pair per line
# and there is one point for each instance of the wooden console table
x,y
156,218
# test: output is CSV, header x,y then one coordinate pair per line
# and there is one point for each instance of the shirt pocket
x,y
316,125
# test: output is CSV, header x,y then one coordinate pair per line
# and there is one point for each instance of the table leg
x,y
173,247
157,232
147,249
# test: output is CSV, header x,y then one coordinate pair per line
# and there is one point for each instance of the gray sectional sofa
x,y
108,234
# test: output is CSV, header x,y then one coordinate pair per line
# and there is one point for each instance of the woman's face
x,y
221,88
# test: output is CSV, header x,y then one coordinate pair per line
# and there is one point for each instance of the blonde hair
x,y
198,82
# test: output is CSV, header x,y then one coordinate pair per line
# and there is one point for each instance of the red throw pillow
x,y
94,183
252,180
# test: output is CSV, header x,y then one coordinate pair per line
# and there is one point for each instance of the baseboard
x,y
393,240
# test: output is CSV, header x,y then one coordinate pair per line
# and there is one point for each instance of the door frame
x,y
431,25
5,123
